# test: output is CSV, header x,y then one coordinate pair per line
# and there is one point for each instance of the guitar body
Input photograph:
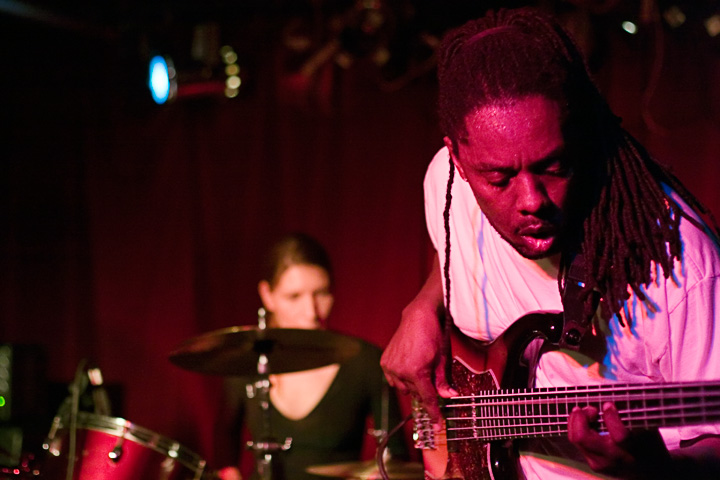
x,y
496,405
477,366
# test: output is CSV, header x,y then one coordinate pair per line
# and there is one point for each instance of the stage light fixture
x,y
712,25
629,27
167,83
162,79
674,16
232,71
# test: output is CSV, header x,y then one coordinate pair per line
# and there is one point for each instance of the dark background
x,y
128,227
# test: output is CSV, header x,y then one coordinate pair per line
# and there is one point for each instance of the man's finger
x,y
579,430
617,431
441,382
428,398
397,384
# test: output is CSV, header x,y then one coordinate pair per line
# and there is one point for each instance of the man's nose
x,y
531,194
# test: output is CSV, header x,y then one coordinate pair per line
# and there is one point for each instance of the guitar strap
x,y
575,320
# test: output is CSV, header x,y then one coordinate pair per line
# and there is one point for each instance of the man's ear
x,y
451,149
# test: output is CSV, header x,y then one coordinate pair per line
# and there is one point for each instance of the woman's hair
x,y
294,249
623,220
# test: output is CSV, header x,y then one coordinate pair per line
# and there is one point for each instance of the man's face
x,y
516,162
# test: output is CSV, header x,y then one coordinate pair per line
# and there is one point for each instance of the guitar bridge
x,y
423,433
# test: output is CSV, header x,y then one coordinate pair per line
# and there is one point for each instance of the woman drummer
x,y
324,410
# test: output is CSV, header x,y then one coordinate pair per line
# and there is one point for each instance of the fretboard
x,y
509,414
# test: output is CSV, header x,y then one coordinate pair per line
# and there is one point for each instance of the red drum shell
x,y
143,454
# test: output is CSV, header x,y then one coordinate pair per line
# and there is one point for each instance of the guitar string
x,y
676,399
632,418
621,387
663,395
546,429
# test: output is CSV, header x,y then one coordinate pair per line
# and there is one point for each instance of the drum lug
x,y
116,453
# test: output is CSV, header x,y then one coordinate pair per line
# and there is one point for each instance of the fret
x,y
496,420
643,401
479,412
628,406
560,418
487,414
543,410
497,414
662,405
528,414
516,413
474,417
484,415
503,417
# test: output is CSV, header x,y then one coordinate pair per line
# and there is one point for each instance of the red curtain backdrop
x,y
130,227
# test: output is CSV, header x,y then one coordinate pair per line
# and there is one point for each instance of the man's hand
x,y
619,452
414,360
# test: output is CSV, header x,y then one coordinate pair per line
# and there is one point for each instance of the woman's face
x,y
300,299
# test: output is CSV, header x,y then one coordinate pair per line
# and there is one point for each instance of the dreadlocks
x,y
625,220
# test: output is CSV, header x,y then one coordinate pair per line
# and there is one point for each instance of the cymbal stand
x,y
380,434
267,445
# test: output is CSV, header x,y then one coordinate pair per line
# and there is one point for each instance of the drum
x,y
109,448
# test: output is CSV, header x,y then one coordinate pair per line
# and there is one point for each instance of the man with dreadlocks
x,y
548,179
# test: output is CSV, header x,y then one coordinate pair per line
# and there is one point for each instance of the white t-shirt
x,y
675,336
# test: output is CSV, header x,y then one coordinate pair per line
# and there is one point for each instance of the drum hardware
x,y
243,350
368,470
141,453
101,401
117,452
255,352
379,434
86,379
79,384
83,445
265,449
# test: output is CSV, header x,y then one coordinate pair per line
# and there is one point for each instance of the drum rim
x,y
122,428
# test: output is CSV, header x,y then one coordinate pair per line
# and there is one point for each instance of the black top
x,y
334,431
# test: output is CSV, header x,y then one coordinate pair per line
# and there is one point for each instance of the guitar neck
x,y
511,414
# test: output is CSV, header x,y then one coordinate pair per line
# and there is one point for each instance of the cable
x,y
383,445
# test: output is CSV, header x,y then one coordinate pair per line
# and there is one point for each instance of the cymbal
x,y
236,350
368,470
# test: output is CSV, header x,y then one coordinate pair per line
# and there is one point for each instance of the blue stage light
x,y
161,79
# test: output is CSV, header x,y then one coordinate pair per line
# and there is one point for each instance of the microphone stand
x,y
86,377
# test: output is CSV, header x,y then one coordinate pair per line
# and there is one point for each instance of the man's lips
x,y
537,230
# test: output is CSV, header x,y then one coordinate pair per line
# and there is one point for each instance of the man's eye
x,y
558,169
497,179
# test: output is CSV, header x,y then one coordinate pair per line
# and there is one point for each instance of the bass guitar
x,y
495,407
